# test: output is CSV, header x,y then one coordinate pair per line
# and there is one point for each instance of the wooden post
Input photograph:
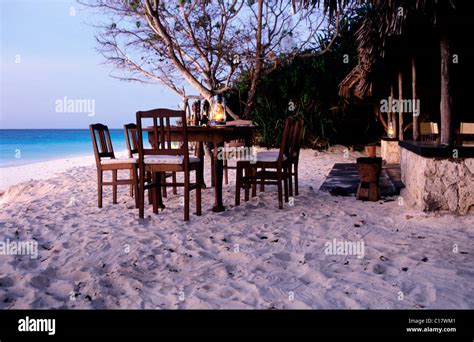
x,y
400,106
446,99
416,109
393,118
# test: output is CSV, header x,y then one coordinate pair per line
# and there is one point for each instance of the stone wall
x,y
438,183
390,151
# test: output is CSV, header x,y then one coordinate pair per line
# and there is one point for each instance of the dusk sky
x,y
57,58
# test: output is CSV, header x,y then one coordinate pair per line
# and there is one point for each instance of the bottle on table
x,y
205,113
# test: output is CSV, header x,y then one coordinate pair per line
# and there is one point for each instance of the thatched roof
x,y
384,22
355,84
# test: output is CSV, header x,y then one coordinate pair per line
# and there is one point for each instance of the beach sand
x,y
251,256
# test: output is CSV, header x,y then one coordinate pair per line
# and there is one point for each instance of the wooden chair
x,y
294,154
131,138
466,129
266,160
162,158
295,141
106,161
235,144
429,131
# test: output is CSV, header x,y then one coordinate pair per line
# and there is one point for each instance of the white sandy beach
x,y
252,256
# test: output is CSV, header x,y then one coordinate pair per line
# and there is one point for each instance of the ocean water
x,y
24,146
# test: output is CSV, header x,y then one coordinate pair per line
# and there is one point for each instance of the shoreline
x,y
38,170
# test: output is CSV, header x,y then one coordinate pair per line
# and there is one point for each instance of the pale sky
x,y
57,59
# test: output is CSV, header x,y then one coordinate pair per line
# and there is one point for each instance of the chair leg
x,y
160,177
262,182
131,182
280,190
238,183
199,178
175,189
141,191
254,181
289,174
114,186
226,171
155,191
247,183
163,190
99,187
213,181
285,184
134,184
296,179
149,194
186,196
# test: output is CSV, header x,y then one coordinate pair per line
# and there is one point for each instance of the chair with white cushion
x,y
163,156
274,168
131,138
467,130
429,131
106,161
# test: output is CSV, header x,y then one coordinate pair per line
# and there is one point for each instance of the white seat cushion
x,y
118,161
164,159
268,156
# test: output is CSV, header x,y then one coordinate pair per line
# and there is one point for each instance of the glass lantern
x,y
218,116
391,130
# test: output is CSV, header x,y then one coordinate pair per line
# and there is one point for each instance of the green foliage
x,y
304,87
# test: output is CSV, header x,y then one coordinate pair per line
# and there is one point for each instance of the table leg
x,y
218,172
201,156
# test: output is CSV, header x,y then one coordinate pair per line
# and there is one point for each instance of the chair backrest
x,y
296,139
467,128
131,138
428,128
429,131
286,139
161,134
101,142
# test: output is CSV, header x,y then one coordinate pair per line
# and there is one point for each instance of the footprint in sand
x,y
7,301
40,282
283,256
379,269
6,282
226,293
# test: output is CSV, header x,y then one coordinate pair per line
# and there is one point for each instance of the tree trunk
x,y
393,118
400,106
231,113
258,63
379,115
446,100
416,109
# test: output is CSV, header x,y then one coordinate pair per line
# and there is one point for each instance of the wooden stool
x,y
369,172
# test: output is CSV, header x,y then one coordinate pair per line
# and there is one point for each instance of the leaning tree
x,y
201,44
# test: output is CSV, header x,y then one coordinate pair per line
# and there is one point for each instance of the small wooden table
x,y
369,169
217,135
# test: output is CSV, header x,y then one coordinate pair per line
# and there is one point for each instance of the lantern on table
x,y
218,116
391,130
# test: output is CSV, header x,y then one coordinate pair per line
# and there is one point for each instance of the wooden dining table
x,y
217,135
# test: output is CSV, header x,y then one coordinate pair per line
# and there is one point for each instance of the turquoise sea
x,y
24,146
